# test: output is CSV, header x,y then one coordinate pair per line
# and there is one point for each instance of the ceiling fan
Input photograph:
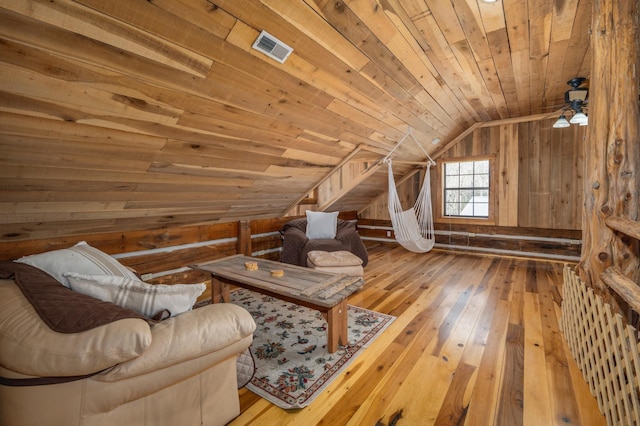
x,y
576,99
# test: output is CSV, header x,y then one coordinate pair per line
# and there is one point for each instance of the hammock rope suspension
x,y
413,228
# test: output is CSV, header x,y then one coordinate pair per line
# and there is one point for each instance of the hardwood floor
x,y
476,342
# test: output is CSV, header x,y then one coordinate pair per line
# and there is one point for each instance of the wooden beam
x,y
481,124
624,225
419,164
244,237
457,139
344,161
516,120
364,176
623,286
612,153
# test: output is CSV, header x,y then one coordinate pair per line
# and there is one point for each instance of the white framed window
x,y
466,189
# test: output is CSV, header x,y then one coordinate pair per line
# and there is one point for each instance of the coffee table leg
x,y
337,326
219,290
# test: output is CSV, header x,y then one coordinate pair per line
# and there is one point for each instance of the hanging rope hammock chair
x,y
413,228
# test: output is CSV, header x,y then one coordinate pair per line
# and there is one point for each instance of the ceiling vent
x,y
272,47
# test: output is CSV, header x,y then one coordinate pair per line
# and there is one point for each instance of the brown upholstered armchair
x,y
296,245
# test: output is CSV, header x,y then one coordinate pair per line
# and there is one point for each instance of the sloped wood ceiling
x,y
135,114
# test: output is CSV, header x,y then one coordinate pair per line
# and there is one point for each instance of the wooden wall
x,y
538,185
538,191
538,169
123,116
163,256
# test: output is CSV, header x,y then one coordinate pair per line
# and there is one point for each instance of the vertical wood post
x,y
612,153
244,237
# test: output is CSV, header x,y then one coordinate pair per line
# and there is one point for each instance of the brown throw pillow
x,y
62,309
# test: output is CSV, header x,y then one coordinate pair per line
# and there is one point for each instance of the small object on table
x,y
277,273
251,266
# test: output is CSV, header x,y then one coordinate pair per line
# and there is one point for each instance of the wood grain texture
x,y
112,119
611,189
475,338
536,176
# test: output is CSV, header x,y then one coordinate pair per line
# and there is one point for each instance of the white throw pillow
x,y
81,259
146,299
321,225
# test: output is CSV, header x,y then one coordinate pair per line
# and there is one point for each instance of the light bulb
x,y
561,123
579,118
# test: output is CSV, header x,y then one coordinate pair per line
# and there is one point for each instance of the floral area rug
x,y
290,347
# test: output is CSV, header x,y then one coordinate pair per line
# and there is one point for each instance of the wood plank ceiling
x,y
124,114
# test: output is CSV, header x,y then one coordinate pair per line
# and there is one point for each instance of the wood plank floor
x,y
476,342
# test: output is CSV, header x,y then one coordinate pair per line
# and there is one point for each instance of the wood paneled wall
x,y
539,175
551,174
539,172
163,256
537,182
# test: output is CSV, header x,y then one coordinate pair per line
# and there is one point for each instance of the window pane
x,y
481,181
452,196
452,209
452,168
481,210
466,196
453,181
466,181
481,166
466,168
481,193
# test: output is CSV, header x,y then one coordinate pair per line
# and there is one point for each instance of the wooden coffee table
x,y
323,291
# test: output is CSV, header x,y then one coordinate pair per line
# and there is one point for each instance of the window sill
x,y
466,220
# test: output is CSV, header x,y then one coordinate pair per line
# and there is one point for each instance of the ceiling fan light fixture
x,y
579,118
576,95
576,99
561,123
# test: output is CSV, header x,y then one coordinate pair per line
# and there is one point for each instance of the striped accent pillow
x,y
81,259
146,299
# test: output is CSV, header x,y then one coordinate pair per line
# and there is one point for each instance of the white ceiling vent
x,y
272,47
